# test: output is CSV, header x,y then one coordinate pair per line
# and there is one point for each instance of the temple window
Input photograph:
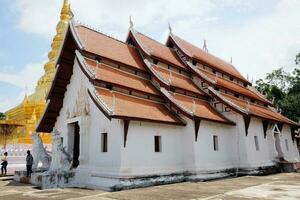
x,y
231,78
216,143
104,142
245,84
236,95
194,62
256,143
286,144
109,87
214,71
155,62
157,143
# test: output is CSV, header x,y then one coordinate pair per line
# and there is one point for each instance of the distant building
x,y
139,113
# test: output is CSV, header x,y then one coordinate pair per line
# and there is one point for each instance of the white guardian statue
x,y
61,160
39,153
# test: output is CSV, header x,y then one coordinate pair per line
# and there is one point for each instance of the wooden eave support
x,y
293,129
197,126
126,126
247,120
265,127
280,126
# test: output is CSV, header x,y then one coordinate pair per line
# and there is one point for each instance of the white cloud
x,y
26,80
8,103
258,44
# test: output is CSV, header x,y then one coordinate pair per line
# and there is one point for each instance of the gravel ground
x,y
276,187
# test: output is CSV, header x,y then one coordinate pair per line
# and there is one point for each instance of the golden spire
x,y
65,16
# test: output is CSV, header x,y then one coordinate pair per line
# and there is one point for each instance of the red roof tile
x,y
215,62
110,48
138,108
260,111
201,108
234,87
178,80
119,77
159,50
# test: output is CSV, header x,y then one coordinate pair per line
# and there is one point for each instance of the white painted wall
x,y
291,154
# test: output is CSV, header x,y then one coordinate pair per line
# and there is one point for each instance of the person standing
x,y
4,164
29,163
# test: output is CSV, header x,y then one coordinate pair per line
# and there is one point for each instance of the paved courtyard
x,y
279,186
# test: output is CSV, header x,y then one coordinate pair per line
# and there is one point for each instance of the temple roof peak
x,y
170,28
130,22
205,46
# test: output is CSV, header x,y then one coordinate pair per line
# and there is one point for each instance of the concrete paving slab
x,y
280,186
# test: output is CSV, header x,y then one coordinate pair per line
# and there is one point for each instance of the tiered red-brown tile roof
x,y
201,55
128,106
126,84
158,50
107,47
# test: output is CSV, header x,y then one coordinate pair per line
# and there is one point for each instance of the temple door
x,y
76,149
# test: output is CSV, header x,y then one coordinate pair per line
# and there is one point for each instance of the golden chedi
x,y
29,111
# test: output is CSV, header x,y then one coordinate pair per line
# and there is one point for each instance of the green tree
x,y
283,89
2,116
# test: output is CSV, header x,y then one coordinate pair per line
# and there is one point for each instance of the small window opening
x,y
256,143
214,71
157,143
104,142
231,78
236,95
155,62
109,87
216,143
194,62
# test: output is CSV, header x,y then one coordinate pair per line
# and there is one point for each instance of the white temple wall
x,y
139,156
206,157
287,145
104,162
261,156
239,141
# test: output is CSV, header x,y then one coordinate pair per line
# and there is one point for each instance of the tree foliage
x,y
283,89
2,116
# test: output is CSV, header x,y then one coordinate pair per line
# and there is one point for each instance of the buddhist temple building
x,y
138,112
30,110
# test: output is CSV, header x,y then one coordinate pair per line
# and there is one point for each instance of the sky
x,y
260,36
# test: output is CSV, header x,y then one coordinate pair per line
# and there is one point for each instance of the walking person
x,y
29,163
4,164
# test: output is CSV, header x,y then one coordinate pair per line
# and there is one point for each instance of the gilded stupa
x,y
29,111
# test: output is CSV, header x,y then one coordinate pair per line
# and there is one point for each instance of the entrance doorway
x,y
76,148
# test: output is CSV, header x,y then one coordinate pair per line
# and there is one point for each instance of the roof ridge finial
x,y
130,22
231,60
170,28
205,46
